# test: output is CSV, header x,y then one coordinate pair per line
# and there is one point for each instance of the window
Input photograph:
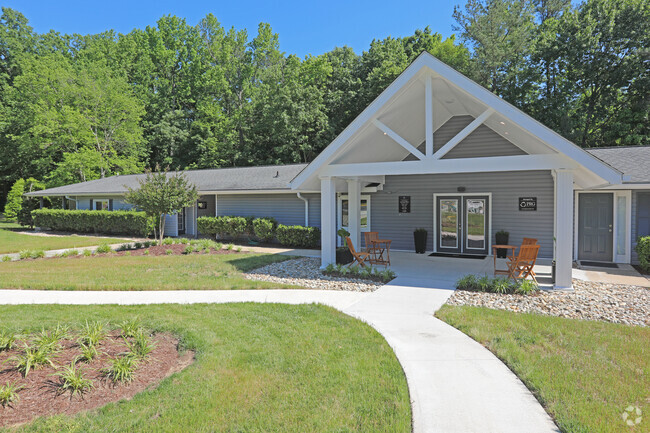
x,y
101,204
364,212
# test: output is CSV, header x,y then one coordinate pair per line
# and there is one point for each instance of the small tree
x,y
162,193
15,200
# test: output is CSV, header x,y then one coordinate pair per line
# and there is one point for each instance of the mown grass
x,y
584,373
259,368
187,272
12,242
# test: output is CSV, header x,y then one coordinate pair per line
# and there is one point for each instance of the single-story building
x,y
434,150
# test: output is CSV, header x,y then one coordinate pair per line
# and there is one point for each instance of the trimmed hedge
x,y
94,221
223,226
643,250
264,228
298,236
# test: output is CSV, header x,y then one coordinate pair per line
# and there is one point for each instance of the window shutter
x,y
91,204
110,204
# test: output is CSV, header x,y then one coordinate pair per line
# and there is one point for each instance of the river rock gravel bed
x,y
305,272
588,300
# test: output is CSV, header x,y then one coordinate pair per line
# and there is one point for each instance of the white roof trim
x,y
548,136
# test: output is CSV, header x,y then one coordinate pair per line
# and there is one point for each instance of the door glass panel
x,y
363,214
449,223
344,213
475,214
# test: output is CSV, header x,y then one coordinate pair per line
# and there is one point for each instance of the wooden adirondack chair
x,y
358,257
370,247
522,265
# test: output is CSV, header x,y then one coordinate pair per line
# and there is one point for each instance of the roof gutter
x,y
306,208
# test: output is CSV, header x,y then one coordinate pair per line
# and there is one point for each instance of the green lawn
x,y
584,373
259,368
186,272
12,242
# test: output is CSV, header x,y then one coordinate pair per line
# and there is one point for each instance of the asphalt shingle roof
x,y
633,161
263,178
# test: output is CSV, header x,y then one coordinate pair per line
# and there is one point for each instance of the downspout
x,y
306,208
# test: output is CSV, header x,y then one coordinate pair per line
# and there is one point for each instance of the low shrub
x,y
95,221
365,273
223,226
124,247
502,285
103,248
31,254
137,245
169,252
298,236
188,249
87,253
6,258
643,251
68,253
168,241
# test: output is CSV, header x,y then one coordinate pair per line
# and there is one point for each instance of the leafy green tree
x,y
162,193
500,32
14,200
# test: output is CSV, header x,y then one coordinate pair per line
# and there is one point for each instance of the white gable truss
x,y
415,105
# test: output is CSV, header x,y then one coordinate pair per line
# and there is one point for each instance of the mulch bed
x,y
158,250
41,396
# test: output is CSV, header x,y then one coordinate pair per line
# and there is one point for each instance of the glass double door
x,y
462,224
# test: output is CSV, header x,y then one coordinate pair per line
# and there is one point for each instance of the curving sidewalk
x,y
456,385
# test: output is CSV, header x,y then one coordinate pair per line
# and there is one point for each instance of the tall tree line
x,y
80,107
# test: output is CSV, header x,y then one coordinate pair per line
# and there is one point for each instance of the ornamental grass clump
x,y
121,369
131,327
92,333
9,394
72,379
103,248
6,258
88,352
33,358
141,346
7,340
366,273
500,285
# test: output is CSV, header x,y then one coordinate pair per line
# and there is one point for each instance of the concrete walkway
x,y
456,385
54,253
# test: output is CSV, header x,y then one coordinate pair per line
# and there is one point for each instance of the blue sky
x,y
305,27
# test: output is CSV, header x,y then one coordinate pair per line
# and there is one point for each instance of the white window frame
x,y
616,258
101,200
339,213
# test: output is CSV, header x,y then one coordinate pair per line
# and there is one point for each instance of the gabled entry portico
x,y
463,154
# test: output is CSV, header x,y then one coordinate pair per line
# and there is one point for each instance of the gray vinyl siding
x,y
506,188
209,210
482,142
640,219
190,220
171,225
287,209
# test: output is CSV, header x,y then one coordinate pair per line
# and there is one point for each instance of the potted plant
x,y
501,238
420,239
343,254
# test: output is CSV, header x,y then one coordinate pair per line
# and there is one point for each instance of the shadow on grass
x,y
249,262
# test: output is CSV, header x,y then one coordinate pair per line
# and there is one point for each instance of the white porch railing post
x,y
328,220
564,229
354,212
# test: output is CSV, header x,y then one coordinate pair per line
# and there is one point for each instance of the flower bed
x,y
75,370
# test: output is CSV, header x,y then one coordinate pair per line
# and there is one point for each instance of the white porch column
x,y
327,221
563,228
354,212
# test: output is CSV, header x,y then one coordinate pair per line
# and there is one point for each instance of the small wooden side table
x,y
381,246
511,248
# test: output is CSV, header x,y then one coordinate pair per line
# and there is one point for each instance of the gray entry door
x,y
595,227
